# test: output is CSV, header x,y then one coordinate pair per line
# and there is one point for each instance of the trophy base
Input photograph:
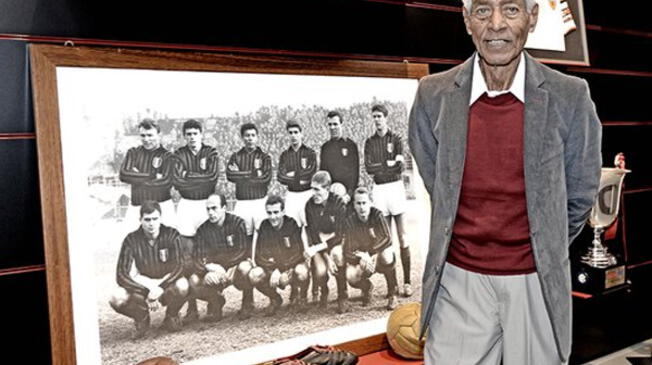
x,y
593,280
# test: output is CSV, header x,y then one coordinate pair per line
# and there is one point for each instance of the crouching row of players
x,y
349,243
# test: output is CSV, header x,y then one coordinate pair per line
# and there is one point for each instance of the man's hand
x,y
309,252
275,278
214,267
153,305
213,278
290,174
391,163
365,262
330,263
399,158
233,167
155,293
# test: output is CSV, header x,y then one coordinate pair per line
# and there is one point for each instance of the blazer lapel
x,y
536,118
455,114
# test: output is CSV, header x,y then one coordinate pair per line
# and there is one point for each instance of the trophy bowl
x,y
604,212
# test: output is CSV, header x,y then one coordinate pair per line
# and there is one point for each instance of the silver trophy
x,y
603,213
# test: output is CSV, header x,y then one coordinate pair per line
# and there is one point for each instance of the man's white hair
x,y
528,4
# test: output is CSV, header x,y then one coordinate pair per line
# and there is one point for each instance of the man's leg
x,y
465,325
527,331
133,306
301,279
260,278
405,254
337,255
387,266
173,299
211,294
358,279
242,281
186,244
319,279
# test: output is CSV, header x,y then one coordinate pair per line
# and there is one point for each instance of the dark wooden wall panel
x,y
25,330
634,142
15,95
619,51
618,38
638,227
20,216
619,97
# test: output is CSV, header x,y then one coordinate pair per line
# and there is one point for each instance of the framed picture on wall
x,y
560,34
156,172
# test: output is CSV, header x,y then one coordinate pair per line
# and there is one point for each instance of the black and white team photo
x,y
219,232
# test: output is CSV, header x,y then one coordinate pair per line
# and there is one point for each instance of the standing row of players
x,y
223,255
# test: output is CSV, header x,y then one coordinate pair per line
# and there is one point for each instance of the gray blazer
x,y
562,170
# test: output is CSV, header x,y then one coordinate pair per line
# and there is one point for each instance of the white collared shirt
x,y
479,85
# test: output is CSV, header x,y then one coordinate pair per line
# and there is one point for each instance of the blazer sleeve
x,y
582,161
422,141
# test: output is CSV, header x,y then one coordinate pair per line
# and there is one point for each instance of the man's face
x,y
499,28
151,222
295,136
319,193
334,127
215,209
193,137
380,121
150,138
250,138
275,214
362,205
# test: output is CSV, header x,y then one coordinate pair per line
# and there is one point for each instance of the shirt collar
x,y
479,85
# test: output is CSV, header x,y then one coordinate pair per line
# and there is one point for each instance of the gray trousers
x,y
481,319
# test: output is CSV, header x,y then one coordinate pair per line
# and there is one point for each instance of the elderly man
x,y
149,272
509,151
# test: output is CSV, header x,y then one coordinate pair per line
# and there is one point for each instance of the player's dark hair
x,y
191,124
333,114
247,126
222,199
380,108
322,178
149,206
293,124
149,124
275,199
361,190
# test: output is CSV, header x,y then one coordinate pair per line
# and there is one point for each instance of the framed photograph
x,y
133,145
560,34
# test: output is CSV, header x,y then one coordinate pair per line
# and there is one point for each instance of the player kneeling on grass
x,y
368,248
280,258
222,257
149,272
325,213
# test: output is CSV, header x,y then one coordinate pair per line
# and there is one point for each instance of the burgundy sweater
x,y
491,230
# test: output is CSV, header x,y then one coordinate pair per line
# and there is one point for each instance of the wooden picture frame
x,y
45,59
